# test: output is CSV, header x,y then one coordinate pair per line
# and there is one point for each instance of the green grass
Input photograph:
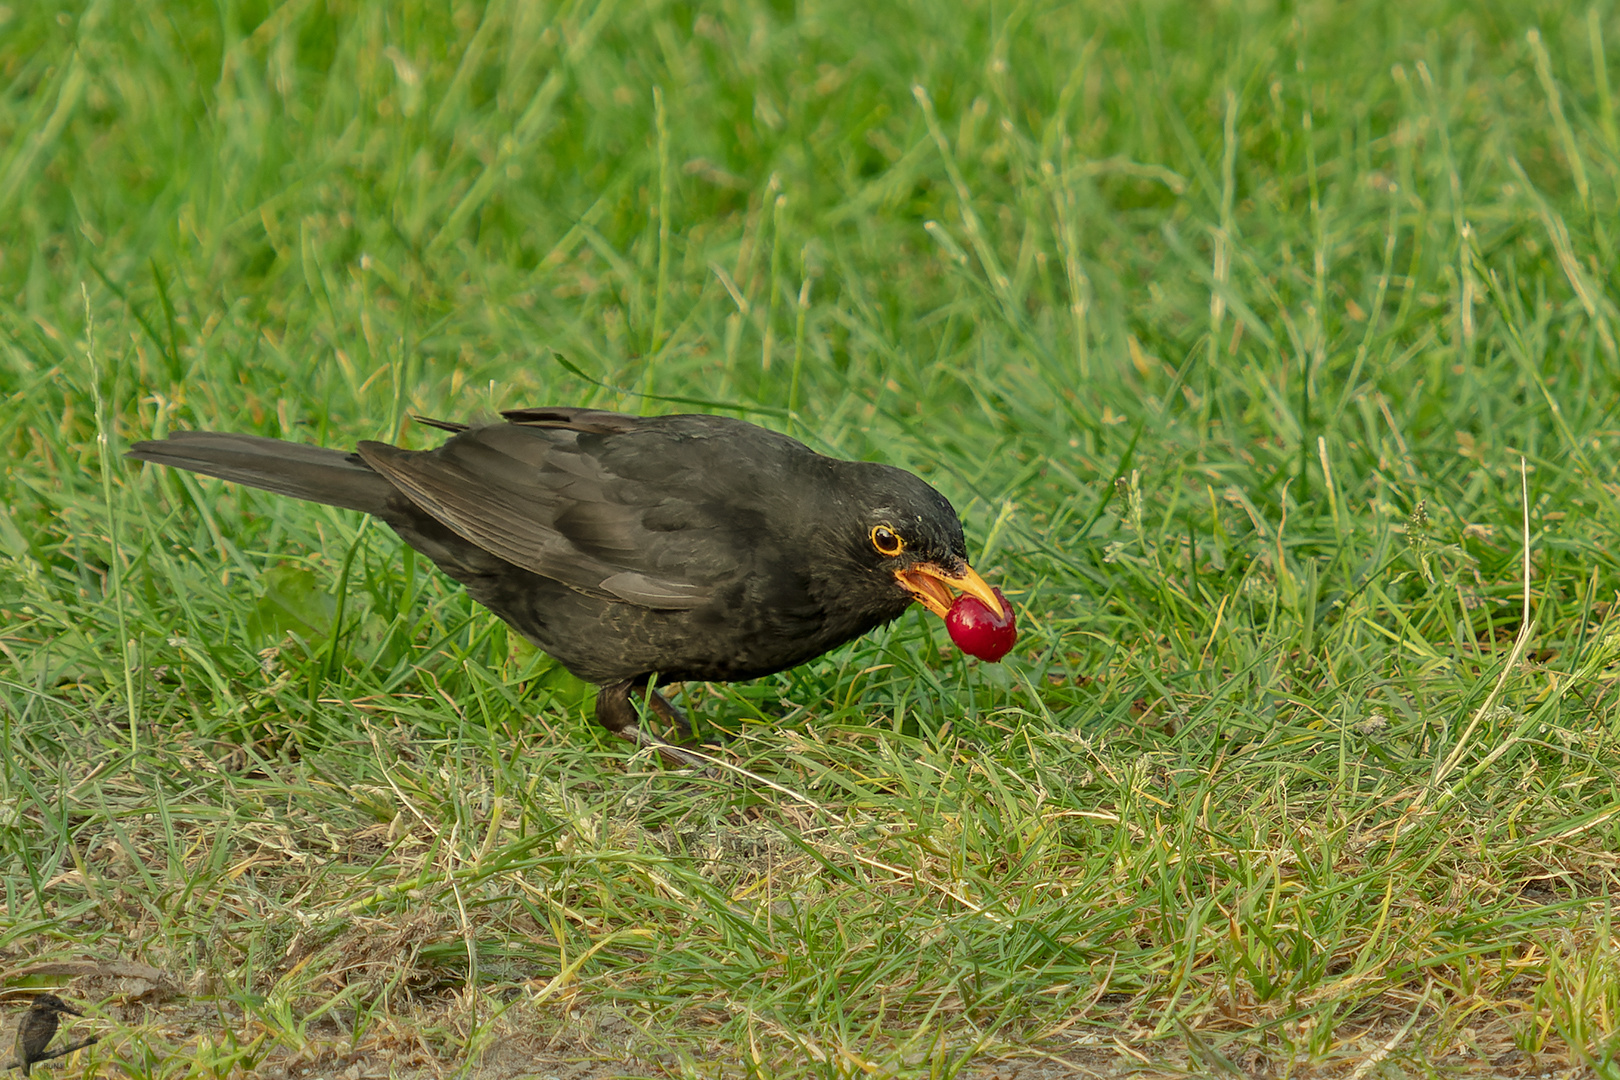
x,y
1225,328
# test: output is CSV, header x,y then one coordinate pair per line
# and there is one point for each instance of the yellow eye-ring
x,y
887,541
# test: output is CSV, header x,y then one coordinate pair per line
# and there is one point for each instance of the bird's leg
x,y
673,715
615,711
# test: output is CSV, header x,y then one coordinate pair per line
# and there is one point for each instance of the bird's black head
x,y
52,1003
904,538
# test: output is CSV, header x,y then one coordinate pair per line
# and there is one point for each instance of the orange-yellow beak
x,y
932,586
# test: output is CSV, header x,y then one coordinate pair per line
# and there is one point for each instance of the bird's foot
x,y
673,715
675,756
712,739
616,711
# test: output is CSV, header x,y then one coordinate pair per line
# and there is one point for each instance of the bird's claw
x,y
676,756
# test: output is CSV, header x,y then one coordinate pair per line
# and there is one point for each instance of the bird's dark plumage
x,y
629,548
37,1028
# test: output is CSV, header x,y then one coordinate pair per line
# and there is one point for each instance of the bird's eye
x,y
887,541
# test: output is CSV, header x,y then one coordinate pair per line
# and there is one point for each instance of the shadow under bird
x,y
674,548
37,1028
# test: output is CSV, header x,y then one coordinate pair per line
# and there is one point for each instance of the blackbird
x,y
37,1028
629,548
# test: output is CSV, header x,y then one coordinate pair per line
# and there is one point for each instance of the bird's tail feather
x,y
286,468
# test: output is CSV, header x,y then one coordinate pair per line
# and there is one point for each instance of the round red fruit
x,y
980,631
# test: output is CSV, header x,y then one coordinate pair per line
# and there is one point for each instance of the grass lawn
x,y
1268,355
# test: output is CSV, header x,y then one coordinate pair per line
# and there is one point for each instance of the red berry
x,y
979,631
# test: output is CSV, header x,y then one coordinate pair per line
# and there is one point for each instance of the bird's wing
x,y
596,421
547,497
554,416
